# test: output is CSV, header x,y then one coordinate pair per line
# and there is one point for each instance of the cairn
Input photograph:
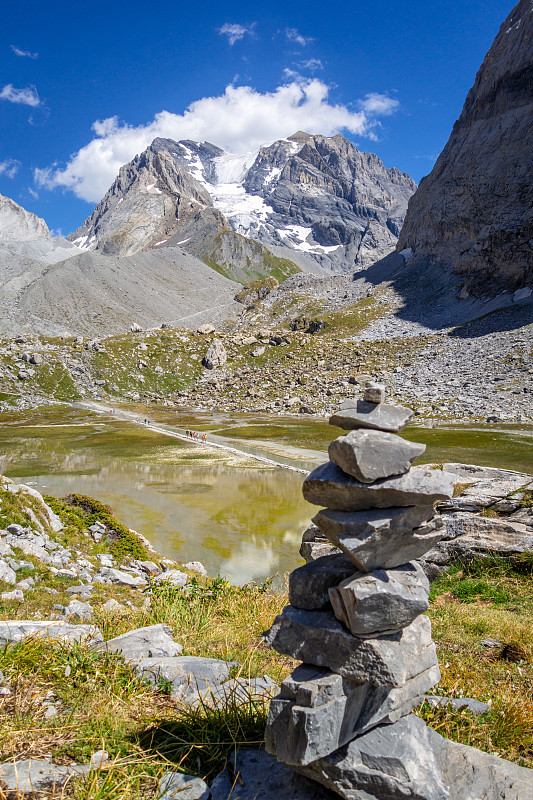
x,y
356,618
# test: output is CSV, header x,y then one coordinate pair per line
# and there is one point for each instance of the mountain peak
x,y
20,225
299,136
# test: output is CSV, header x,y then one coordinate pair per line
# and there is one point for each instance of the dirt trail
x,y
128,416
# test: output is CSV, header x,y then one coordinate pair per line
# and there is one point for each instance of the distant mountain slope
x,y
474,212
336,208
48,285
94,294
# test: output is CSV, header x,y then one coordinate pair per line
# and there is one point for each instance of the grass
x,y
488,599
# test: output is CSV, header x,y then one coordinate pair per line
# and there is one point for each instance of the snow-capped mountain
x,y
313,200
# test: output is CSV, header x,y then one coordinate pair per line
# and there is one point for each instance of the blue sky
x,y
83,87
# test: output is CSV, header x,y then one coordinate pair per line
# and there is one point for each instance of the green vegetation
x,y
490,598
79,512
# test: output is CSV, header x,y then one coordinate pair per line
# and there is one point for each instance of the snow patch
x,y
407,253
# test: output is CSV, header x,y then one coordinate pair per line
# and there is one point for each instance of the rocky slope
x,y
159,200
49,285
18,224
474,212
318,198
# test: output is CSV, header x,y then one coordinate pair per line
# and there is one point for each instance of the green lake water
x,y
238,517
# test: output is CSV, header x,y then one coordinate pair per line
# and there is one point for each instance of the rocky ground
x,y
291,352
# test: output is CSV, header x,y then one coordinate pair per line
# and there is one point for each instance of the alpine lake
x,y
241,518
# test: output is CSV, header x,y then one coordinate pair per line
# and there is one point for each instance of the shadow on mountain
x,y
430,294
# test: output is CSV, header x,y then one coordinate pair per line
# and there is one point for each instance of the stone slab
x,y
317,711
354,414
457,703
309,585
382,601
30,776
381,539
410,760
330,487
149,642
187,674
318,638
464,772
369,455
18,630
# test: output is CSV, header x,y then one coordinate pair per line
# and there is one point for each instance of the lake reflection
x,y
192,503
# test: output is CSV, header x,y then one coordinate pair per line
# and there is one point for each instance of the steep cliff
x,y
474,212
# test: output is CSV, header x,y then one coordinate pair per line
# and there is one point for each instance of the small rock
x,y
196,566
98,759
16,594
206,328
374,392
216,355
176,786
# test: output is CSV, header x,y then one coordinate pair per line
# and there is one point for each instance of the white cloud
x,y
33,192
239,120
9,167
27,96
235,32
312,63
379,104
294,35
25,53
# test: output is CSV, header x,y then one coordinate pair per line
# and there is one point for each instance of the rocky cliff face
x,y
474,212
329,200
17,224
318,198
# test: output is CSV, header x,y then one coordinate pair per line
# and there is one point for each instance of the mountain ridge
x,y
314,195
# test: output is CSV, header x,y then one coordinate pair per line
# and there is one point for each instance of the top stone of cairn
x,y
371,412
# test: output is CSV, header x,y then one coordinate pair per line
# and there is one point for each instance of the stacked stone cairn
x,y
356,618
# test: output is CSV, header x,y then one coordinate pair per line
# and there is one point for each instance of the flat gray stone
x,y
33,775
382,539
317,711
153,641
7,574
177,786
457,703
329,486
121,578
410,760
18,630
187,674
309,585
234,692
382,601
362,414
261,777
317,637
368,455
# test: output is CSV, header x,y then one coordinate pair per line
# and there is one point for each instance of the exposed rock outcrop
x,y
474,212
18,224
